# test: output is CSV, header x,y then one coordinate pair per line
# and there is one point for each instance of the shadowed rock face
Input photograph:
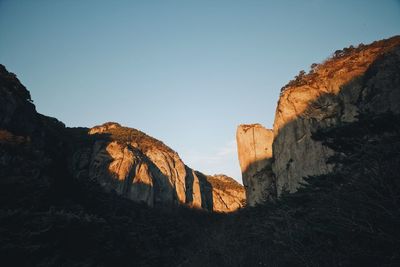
x,y
255,156
121,159
358,80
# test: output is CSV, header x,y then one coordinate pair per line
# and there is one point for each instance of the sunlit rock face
x,y
144,169
227,194
121,168
254,144
363,79
353,81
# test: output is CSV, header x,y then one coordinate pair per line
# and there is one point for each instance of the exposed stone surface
x,y
355,80
227,194
144,169
121,159
254,144
332,93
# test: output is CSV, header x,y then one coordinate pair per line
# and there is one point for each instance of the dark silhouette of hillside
x,y
48,218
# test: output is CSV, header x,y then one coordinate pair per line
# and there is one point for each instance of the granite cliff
x,y
143,168
121,159
255,156
356,80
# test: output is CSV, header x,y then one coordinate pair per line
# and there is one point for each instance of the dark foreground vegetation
x,y
350,217
48,218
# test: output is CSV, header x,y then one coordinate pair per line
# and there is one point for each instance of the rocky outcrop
x,y
120,159
333,92
254,144
144,169
365,79
227,194
134,165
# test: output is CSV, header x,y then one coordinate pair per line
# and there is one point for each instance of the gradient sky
x,y
185,72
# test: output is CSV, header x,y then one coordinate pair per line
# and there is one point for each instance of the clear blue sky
x,y
186,72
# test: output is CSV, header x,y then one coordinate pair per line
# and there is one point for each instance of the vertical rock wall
x,y
255,156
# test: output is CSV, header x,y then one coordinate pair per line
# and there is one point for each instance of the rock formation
x,y
255,156
120,159
142,168
227,194
365,79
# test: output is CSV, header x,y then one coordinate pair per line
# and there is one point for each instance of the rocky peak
x,y
327,78
106,127
125,135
